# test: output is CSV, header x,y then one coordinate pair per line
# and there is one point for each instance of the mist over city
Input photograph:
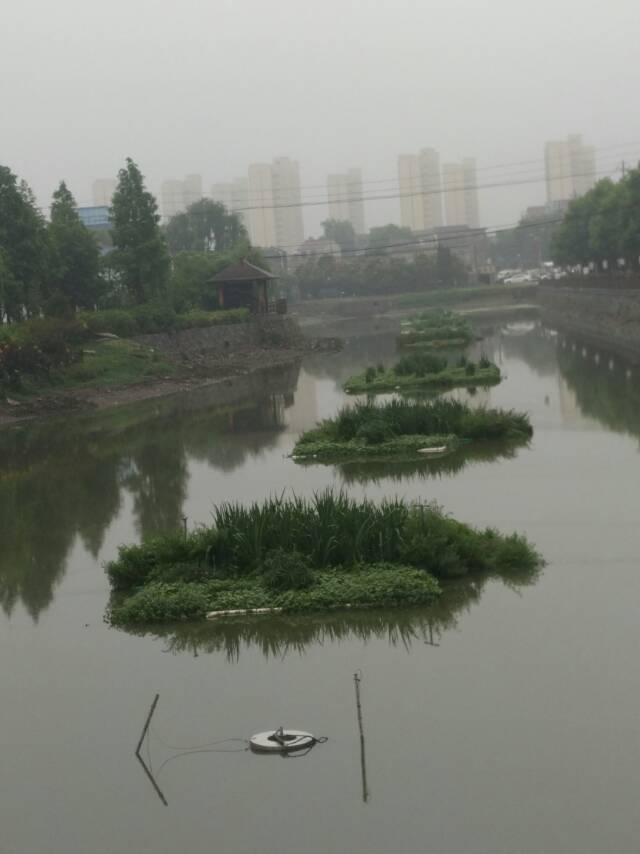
x,y
210,88
319,427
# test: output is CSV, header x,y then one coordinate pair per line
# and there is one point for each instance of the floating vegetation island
x,y
402,428
435,329
420,370
298,555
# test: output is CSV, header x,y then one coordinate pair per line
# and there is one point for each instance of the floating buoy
x,y
282,741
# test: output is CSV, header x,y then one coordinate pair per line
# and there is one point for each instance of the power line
x,y
434,192
327,199
487,167
431,240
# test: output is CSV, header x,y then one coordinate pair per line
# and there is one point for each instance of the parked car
x,y
519,279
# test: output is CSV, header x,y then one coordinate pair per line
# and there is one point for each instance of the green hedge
x,y
149,319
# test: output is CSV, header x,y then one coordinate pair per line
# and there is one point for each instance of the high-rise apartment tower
x,y
570,168
176,196
460,187
419,180
344,191
275,215
102,191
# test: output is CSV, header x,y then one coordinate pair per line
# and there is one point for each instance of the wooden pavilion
x,y
243,285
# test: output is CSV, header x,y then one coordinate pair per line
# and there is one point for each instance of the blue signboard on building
x,y
96,216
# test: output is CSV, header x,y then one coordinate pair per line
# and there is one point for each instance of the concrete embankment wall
x,y
268,331
352,307
607,317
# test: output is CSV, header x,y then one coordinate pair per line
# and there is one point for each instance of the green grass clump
x,y
420,370
307,555
370,424
360,587
436,328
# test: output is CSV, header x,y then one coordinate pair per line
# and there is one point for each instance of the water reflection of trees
x,y
278,636
609,394
534,344
371,470
65,480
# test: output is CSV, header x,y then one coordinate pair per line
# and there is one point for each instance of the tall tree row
x,y
54,267
602,226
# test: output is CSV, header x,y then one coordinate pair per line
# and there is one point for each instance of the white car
x,y
518,279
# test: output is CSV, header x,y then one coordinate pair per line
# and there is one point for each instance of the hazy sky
x,y
209,87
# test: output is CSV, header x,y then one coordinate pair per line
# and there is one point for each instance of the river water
x,y
504,720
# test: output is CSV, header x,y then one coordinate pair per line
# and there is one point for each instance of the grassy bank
x,y
419,370
303,556
43,353
105,364
400,427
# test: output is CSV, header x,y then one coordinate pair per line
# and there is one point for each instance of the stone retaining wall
x,y
268,331
607,317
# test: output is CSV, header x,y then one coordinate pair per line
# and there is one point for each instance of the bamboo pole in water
x,y
146,723
363,762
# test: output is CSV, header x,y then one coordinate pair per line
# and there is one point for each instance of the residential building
x,y
262,225
570,168
344,191
176,196
460,188
234,195
288,200
275,212
102,191
420,190
471,203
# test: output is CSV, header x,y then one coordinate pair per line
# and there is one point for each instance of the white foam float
x,y
281,741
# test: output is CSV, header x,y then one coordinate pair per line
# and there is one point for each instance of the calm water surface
x,y
506,720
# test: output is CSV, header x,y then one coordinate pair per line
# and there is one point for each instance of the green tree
x,y
23,243
75,258
629,220
603,225
342,232
190,283
205,225
388,235
140,256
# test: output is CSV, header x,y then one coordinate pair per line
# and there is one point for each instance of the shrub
x,y
38,347
420,364
286,570
484,362
470,369
154,317
114,320
370,375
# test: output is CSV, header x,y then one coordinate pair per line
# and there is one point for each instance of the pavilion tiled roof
x,y
242,271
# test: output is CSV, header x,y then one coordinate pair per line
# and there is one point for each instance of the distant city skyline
x,y
426,194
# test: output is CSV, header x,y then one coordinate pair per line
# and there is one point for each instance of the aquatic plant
x,y
423,370
436,328
307,554
400,425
